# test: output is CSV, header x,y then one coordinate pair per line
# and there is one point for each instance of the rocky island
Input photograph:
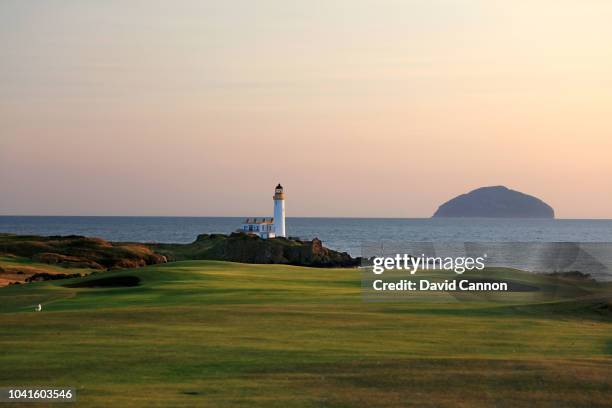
x,y
495,202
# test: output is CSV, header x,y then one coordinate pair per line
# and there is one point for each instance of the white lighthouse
x,y
269,227
279,211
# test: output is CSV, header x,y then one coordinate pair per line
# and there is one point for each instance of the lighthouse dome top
x,y
279,187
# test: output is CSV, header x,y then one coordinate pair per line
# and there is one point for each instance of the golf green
x,y
204,333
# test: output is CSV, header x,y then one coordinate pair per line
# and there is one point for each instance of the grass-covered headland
x,y
215,334
26,258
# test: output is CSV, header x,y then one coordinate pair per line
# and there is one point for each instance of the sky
x,y
373,108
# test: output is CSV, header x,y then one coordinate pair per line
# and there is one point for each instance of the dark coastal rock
x,y
495,202
249,248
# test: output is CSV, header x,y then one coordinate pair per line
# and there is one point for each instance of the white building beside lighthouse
x,y
269,227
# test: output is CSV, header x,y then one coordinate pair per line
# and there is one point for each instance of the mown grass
x,y
205,333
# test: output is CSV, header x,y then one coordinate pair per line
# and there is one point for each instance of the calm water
x,y
344,234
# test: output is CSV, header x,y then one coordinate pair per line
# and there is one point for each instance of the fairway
x,y
210,334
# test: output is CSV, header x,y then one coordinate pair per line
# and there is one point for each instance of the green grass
x,y
203,333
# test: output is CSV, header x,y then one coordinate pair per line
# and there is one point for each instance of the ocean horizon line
x,y
302,217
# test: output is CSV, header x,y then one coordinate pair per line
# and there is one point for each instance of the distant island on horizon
x,y
495,202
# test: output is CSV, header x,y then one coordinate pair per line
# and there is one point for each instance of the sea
x,y
342,234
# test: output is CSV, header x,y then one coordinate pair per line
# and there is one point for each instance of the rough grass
x,y
78,252
221,334
18,269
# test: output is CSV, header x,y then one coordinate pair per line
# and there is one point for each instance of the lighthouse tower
x,y
279,211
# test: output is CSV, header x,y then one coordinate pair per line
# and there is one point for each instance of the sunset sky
x,y
359,108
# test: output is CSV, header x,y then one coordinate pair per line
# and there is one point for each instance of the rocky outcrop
x,y
495,202
248,248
